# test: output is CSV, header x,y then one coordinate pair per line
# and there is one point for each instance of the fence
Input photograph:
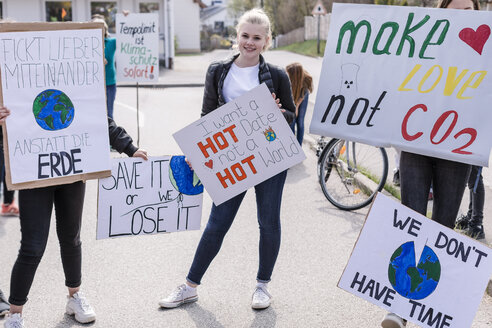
x,y
311,27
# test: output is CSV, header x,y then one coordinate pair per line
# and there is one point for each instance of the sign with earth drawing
x,y
137,47
417,79
240,144
53,83
410,265
140,197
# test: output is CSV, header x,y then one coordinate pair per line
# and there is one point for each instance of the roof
x,y
200,3
211,11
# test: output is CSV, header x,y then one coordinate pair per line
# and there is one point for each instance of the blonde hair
x,y
100,19
257,16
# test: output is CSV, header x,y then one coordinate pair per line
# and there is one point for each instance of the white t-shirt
x,y
240,80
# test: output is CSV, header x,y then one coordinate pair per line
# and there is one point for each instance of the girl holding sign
x,y
225,81
448,179
35,214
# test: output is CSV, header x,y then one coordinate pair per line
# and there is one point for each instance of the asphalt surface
x,y
125,278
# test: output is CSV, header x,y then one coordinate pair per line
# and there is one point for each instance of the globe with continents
x,y
411,279
53,110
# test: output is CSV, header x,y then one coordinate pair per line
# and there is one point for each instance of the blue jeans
x,y
477,198
299,120
268,201
110,97
448,179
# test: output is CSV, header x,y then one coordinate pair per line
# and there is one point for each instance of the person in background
x,y
225,81
472,222
302,85
9,208
109,61
36,206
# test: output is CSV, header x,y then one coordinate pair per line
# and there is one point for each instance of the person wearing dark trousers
x,y
36,206
4,304
472,222
225,81
302,86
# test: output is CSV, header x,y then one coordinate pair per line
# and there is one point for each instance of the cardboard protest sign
x,y
53,83
410,265
412,78
240,144
137,47
148,197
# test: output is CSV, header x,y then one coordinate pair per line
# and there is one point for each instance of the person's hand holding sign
x,y
4,112
139,153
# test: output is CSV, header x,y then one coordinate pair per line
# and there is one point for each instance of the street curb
x,y
163,85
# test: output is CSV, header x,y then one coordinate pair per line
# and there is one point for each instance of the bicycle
x,y
350,174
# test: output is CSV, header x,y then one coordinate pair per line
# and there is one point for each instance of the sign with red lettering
x,y
240,144
53,84
137,47
417,268
412,78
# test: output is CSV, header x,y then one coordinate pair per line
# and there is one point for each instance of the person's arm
x,y
122,142
285,96
210,93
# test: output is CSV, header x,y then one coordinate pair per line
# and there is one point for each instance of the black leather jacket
x,y
119,139
275,78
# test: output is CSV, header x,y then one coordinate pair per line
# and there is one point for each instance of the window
x,y
58,11
149,7
108,10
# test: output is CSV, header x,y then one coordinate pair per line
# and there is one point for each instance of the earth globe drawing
x,y
53,110
411,279
183,178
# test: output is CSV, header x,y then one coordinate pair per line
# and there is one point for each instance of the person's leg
x,y
300,118
219,222
36,206
269,200
110,97
477,197
8,196
69,201
449,182
415,181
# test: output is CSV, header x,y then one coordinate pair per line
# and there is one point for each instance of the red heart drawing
x,y
209,164
475,39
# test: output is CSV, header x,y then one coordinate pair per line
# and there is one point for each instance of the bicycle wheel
x,y
350,173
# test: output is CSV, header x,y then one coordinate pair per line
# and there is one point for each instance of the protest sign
x,y
142,197
412,78
53,84
137,47
417,268
240,144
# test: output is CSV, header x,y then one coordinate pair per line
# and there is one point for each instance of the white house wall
x,y
187,25
34,11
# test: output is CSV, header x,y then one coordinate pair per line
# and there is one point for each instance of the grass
x,y
389,187
307,48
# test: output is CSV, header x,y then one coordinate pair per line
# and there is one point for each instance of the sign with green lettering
x,y
413,78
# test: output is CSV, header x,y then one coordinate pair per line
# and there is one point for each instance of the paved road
x,y
124,278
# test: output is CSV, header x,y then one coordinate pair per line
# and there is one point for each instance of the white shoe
x,y
14,321
78,305
181,295
261,298
391,320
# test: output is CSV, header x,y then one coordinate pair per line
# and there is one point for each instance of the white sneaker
x,y
78,305
391,320
261,298
14,321
181,295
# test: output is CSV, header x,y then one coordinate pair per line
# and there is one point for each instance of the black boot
x,y
463,222
475,230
